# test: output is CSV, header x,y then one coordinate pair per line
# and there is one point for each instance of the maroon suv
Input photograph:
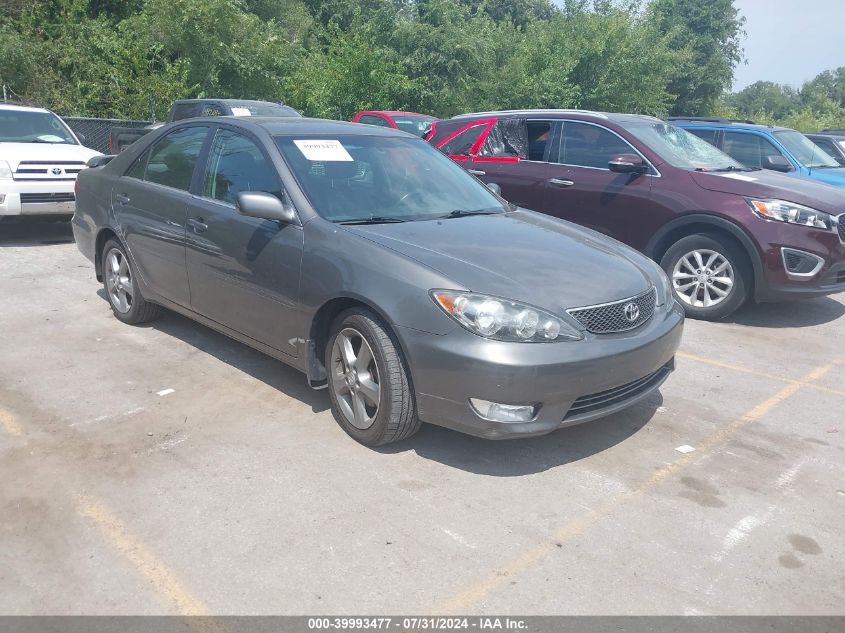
x,y
723,232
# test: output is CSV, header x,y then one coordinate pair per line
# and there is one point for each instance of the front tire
x,y
368,381
709,276
122,289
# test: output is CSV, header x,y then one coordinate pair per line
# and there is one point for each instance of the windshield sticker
x,y
740,177
324,151
241,112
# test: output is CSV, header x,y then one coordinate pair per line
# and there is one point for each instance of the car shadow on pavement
x,y
802,313
34,232
513,458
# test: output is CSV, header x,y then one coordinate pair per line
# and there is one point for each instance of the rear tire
x,y
122,290
368,381
708,274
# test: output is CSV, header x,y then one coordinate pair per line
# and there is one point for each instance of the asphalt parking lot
x,y
166,469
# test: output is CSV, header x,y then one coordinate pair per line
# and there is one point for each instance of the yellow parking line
x,y
754,372
10,423
460,602
160,577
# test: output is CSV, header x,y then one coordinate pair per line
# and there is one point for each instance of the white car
x,y
40,157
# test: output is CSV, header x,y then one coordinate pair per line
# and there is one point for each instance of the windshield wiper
x,y
733,168
376,219
460,213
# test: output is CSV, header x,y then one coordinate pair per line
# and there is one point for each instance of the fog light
x,y
498,412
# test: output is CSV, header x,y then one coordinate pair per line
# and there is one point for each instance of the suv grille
x,y
33,198
616,316
606,399
48,170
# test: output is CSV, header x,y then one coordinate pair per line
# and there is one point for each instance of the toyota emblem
x,y
632,312
56,171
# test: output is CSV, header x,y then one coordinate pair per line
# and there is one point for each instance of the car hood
x,y
523,256
769,184
833,176
15,153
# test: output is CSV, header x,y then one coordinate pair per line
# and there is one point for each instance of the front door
x,y
243,272
582,189
151,204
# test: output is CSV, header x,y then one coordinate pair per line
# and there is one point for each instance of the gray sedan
x,y
371,262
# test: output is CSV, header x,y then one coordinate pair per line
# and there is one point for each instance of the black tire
x,y
742,277
139,310
395,418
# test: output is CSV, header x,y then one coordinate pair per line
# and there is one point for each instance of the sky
x,y
790,41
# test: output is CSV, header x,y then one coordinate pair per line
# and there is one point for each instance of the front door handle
x,y
557,182
122,198
197,225
477,172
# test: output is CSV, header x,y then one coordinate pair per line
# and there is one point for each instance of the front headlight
x,y
790,212
5,170
503,320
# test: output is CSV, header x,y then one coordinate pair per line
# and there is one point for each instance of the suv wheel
x,y
708,275
368,382
122,289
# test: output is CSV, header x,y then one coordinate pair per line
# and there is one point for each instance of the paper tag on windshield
x,y
241,112
321,150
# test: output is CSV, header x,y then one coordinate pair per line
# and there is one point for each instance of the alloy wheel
x,y
119,281
703,278
355,378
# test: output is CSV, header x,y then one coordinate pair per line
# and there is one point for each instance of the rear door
x,y
243,271
150,202
581,188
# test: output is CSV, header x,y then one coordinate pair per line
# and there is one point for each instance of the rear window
x,y
416,125
461,144
262,109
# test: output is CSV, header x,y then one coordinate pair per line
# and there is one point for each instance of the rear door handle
x,y
122,198
557,182
197,225
477,172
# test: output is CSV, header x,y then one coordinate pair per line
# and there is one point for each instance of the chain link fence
x,y
97,131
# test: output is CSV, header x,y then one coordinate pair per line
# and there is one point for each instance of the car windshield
x,y
29,126
417,125
805,151
363,178
263,109
681,149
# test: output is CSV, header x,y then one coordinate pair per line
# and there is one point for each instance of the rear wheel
x,y
122,289
368,382
708,275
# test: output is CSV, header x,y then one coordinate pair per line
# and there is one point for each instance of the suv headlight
x,y
5,170
503,320
790,212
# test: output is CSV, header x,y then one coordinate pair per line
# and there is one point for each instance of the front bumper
x,y
572,381
51,197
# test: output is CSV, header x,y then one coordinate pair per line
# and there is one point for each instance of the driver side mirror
x,y
776,162
265,206
627,164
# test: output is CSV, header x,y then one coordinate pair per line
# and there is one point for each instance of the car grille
x,y
35,198
39,170
841,226
615,317
606,399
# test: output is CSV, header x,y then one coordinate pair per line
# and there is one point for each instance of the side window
x,y
212,109
173,158
508,137
184,111
705,135
369,119
235,164
139,166
463,142
586,145
748,148
539,134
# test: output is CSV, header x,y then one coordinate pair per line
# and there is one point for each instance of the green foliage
x,y
332,58
819,104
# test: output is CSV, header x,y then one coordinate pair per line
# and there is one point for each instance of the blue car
x,y
777,148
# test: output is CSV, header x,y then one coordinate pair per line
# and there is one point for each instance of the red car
x,y
412,122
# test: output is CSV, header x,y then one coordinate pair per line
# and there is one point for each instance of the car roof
x,y
279,125
556,113
727,123
837,136
229,101
21,108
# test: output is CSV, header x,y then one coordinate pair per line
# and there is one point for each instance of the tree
x,y
766,96
710,30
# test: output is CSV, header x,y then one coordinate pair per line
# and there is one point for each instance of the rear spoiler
x,y
99,161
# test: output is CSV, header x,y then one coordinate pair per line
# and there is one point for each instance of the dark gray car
x,y
375,265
